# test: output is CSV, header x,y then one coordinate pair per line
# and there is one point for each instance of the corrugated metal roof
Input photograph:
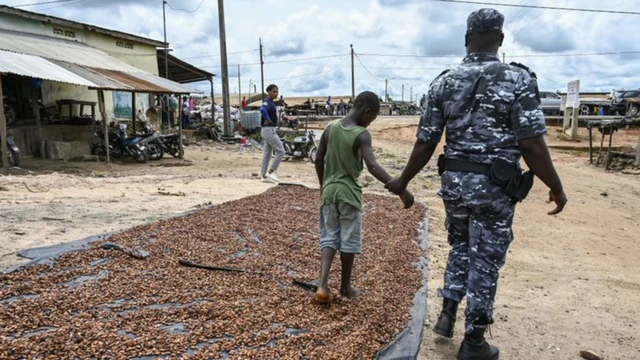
x,y
63,50
37,67
76,63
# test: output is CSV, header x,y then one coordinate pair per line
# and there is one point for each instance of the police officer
x,y
492,115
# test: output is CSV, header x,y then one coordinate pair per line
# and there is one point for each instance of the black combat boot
x,y
447,318
474,347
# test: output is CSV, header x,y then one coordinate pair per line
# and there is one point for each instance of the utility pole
x,y
166,46
225,70
353,76
239,89
386,97
402,92
503,57
261,70
411,94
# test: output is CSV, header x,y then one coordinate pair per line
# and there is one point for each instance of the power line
x,y
373,76
281,61
622,12
41,3
217,55
187,11
512,56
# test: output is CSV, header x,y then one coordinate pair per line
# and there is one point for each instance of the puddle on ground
x,y
83,279
18,298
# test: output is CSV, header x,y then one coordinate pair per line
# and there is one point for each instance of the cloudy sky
x,y
409,42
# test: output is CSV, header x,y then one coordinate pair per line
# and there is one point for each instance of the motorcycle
x,y
171,144
121,146
302,147
9,108
13,154
156,147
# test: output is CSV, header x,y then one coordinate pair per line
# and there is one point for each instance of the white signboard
x,y
573,94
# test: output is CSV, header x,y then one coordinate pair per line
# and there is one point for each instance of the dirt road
x,y
571,282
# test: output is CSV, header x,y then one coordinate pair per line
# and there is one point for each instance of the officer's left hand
x,y
396,185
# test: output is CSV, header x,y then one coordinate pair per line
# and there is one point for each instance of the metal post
x,y
105,124
133,112
166,46
503,57
261,70
411,94
239,89
225,70
3,131
249,99
180,151
353,76
402,92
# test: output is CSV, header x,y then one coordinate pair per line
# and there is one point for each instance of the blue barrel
x,y
250,120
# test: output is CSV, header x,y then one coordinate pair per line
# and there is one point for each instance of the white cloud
x,y
303,29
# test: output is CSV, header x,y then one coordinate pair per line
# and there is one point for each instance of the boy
x,y
343,146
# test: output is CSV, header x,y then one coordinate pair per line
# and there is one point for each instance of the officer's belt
x,y
465,166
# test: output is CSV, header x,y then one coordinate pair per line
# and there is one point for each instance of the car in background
x,y
626,103
550,102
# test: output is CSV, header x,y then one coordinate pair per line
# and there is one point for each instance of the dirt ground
x,y
571,282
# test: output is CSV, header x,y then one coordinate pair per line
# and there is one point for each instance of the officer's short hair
x,y
271,87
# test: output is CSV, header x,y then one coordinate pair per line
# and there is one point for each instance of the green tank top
x,y
342,167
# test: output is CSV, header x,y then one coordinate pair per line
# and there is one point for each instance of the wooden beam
x,y
133,111
36,114
105,123
638,152
3,131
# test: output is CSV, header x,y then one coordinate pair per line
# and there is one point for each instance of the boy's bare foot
x,y
351,292
323,296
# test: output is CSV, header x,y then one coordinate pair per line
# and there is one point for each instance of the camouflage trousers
x,y
479,235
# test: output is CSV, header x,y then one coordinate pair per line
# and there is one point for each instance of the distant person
x,y
328,105
245,103
269,123
185,113
343,146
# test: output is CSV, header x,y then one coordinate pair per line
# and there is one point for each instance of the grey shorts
x,y
341,228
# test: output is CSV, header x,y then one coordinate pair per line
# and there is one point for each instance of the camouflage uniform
x,y
486,107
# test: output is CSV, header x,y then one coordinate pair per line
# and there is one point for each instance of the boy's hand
x,y
396,185
407,199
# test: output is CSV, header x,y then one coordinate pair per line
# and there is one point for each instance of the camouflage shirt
x,y
480,128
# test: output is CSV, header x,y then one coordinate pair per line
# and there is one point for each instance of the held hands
x,y
396,185
560,198
407,199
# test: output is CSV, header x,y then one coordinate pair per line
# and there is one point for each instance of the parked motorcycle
x,y
13,152
156,147
121,146
302,147
171,144
10,104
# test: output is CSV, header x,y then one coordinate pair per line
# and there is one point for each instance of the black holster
x,y
510,177
502,173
